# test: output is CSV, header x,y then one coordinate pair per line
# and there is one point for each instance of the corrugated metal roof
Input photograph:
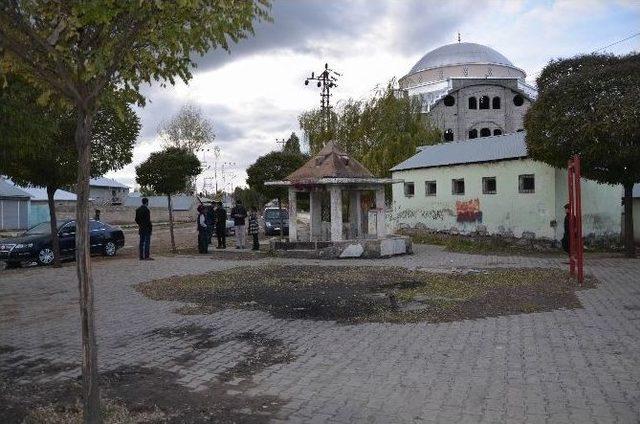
x,y
486,149
106,182
40,194
8,189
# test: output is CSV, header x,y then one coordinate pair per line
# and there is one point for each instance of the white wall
x,y
601,205
507,212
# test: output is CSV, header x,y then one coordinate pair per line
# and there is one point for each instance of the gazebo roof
x,y
330,162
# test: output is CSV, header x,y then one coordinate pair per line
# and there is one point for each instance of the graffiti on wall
x,y
468,211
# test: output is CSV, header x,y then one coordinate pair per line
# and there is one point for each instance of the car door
x,y
67,237
96,236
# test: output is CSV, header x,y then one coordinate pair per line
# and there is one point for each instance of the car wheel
x,y
110,249
45,256
13,265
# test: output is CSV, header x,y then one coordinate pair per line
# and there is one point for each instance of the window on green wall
x,y
430,188
526,183
489,185
409,189
457,186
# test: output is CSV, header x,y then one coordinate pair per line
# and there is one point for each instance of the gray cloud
x,y
301,27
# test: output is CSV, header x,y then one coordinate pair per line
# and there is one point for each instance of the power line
x,y
617,42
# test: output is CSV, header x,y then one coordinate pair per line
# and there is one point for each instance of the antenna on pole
x,y
459,39
327,79
281,143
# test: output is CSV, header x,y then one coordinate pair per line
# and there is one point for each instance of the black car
x,y
273,218
35,243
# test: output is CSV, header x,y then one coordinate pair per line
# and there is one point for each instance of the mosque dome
x,y
460,54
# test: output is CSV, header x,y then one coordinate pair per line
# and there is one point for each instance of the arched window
x,y
473,103
485,132
496,103
484,102
448,135
518,100
449,101
473,133
497,132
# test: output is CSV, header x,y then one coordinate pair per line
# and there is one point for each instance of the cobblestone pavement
x,y
577,366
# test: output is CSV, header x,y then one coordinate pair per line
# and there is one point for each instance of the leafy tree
x,y
188,129
274,166
38,142
249,197
590,106
169,172
292,145
77,49
379,132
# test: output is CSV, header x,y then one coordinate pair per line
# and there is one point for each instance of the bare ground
x,y
370,294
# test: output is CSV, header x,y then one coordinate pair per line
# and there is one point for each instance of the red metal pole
x,y
570,170
579,244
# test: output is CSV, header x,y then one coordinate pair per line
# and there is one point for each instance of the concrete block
x,y
354,250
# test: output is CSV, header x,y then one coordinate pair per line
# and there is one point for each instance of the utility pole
x,y
326,80
281,142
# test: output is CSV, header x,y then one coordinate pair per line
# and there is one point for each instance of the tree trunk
x,y
629,242
90,386
173,240
280,217
55,240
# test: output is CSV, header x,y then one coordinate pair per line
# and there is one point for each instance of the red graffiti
x,y
468,211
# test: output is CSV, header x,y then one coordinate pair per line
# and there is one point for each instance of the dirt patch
x,y
366,294
6,349
139,394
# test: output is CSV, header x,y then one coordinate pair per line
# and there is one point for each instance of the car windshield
x,y
42,228
271,214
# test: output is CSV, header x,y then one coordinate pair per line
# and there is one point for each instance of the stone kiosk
x,y
334,172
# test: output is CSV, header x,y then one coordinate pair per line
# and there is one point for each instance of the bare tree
x,y
188,129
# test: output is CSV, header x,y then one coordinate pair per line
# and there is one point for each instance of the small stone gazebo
x,y
334,171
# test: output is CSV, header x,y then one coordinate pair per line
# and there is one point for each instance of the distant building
x,y
107,191
179,202
469,91
491,185
14,207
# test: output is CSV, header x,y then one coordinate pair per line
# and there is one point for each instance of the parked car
x,y
35,243
273,218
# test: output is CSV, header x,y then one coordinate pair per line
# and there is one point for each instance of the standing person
x,y
221,226
203,231
143,219
239,213
210,220
96,217
566,238
254,227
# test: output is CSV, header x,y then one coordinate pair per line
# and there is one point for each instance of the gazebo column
x,y
336,213
293,215
355,214
380,206
315,210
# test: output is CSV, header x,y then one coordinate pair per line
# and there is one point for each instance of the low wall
x,y
125,215
346,249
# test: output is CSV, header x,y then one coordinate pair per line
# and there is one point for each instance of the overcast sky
x,y
254,94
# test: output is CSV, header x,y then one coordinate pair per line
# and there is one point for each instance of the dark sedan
x,y
35,244
273,219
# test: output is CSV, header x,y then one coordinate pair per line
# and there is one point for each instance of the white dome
x,y
460,54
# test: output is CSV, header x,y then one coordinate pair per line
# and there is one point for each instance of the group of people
x,y
210,218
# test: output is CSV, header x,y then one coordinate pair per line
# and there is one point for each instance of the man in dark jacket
x,y
221,226
210,220
566,237
203,230
239,213
143,219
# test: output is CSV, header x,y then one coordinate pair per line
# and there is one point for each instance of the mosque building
x,y
481,180
469,91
